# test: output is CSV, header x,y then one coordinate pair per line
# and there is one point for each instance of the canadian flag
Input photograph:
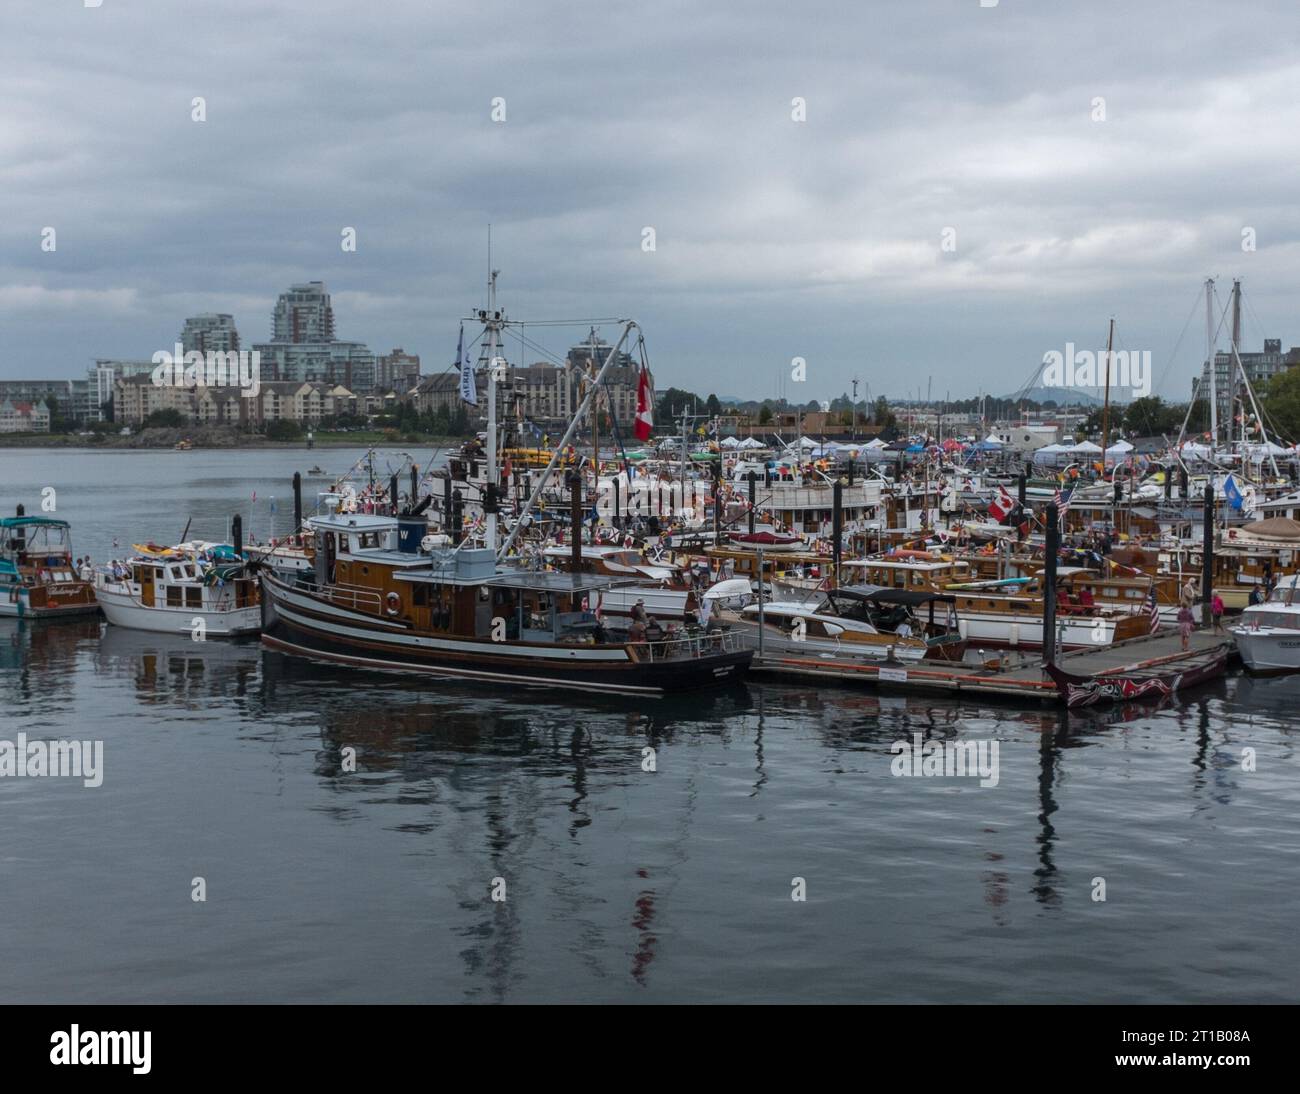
x,y
1000,506
644,414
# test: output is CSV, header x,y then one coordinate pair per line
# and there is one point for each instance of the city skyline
x,y
810,223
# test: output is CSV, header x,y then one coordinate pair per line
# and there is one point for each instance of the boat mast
x,y
1105,409
1213,394
1232,365
492,321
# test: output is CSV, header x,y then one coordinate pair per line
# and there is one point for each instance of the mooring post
x,y
618,505
457,516
392,494
837,530
575,520
297,503
1207,555
760,601
753,487
1051,548
717,500
237,534
1020,489
415,486
446,504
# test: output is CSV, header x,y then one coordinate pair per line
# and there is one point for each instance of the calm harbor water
x,y
225,762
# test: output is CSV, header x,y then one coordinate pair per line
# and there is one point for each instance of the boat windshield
x,y
1282,620
40,539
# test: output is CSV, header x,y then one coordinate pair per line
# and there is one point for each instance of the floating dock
x,y
1006,674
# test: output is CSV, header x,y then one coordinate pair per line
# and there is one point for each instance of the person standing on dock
x,y
1187,598
1216,612
1186,621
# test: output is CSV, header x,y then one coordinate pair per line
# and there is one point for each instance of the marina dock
x,y
1008,674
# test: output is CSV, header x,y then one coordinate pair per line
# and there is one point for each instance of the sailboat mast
x,y
493,327
1209,352
1105,409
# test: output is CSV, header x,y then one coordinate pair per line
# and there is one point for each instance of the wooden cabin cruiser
x,y
376,600
863,623
37,579
999,615
1268,634
174,590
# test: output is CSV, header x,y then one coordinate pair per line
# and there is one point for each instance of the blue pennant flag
x,y
1231,492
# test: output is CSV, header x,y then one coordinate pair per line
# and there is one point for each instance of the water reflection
x,y
38,658
172,668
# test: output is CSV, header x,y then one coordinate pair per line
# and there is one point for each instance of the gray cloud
x,y
775,239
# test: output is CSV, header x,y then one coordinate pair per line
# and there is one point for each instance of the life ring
x,y
393,603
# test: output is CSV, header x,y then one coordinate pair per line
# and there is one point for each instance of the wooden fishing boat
x,y
1140,682
378,602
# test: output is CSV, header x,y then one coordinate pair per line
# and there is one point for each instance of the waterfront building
x,y
397,371
303,348
24,417
215,332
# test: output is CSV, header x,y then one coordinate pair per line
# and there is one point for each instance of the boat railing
x,y
357,597
687,647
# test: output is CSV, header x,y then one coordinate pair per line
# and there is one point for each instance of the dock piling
x,y
1051,548
1207,555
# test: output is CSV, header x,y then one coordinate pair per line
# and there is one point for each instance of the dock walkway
x,y
1007,674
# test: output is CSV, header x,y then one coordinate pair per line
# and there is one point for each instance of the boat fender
x,y
393,603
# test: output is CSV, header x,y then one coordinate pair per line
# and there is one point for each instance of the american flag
x,y
1062,499
1153,610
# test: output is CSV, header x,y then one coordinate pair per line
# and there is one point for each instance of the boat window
x,y
173,596
193,596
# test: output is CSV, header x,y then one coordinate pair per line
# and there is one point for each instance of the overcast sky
x,y
774,238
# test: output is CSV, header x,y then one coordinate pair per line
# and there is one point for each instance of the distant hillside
x,y
1065,397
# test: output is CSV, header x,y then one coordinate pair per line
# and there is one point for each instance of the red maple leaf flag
x,y
644,414
1002,504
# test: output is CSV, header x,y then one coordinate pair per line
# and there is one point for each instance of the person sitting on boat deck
x,y
636,632
1256,595
653,631
904,629
639,613
1085,597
